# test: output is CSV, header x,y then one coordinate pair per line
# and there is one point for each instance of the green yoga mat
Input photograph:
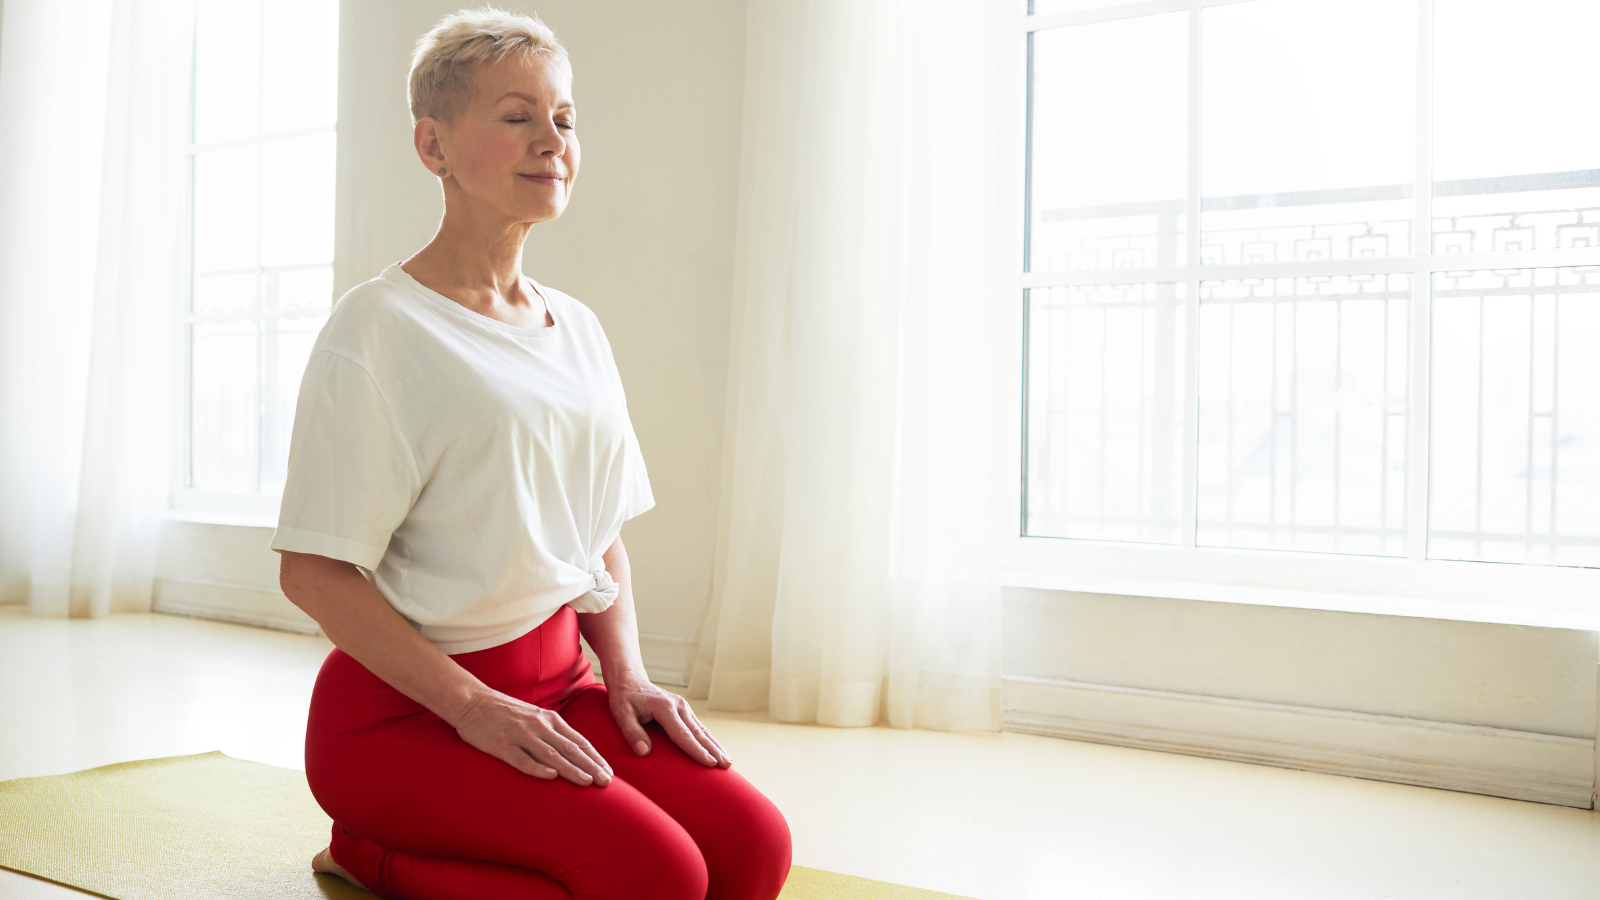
x,y
212,826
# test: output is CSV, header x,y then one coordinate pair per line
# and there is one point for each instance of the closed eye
x,y
558,124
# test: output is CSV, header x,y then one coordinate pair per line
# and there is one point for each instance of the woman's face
x,y
512,154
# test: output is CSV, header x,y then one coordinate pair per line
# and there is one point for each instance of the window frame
x,y
1413,585
197,504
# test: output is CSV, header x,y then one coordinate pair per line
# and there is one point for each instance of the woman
x,y
462,437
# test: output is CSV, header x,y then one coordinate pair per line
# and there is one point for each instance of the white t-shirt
x,y
475,470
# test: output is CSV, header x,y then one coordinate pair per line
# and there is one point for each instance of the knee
x,y
753,859
678,872
653,864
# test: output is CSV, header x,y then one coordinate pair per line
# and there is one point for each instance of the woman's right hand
x,y
532,739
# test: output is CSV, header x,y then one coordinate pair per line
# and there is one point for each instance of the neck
x,y
474,252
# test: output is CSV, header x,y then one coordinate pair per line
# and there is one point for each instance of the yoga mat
x,y
212,826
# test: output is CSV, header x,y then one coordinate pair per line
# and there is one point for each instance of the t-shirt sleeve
x,y
637,497
352,477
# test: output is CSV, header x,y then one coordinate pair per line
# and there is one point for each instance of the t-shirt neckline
x,y
395,272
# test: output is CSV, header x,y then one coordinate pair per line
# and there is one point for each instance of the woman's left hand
x,y
635,701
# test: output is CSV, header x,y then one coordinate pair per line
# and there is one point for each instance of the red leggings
x,y
420,814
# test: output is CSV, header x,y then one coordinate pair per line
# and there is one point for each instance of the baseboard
x,y
231,603
1494,761
665,658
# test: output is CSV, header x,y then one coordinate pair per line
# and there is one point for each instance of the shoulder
x,y
578,313
581,321
365,322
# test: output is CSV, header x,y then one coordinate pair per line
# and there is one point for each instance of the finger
x,y
708,742
584,762
550,756
681,735
633,731
582,743
519,759
704,734
575,757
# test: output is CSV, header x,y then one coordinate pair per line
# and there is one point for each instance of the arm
x,y
361,622
614,637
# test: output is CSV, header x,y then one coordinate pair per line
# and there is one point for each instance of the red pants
x,y
420,814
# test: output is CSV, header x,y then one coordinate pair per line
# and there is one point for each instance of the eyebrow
x,y
565,104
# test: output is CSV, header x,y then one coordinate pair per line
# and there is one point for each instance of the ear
x,y
428,136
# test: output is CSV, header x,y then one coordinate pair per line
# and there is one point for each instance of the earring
x,y
441,170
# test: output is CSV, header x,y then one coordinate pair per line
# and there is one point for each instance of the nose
x,y
549,142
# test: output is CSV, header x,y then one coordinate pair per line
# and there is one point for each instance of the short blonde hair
x,y
440,84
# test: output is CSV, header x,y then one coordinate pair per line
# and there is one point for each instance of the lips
x,y
548,177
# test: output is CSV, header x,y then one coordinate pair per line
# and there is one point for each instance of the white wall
x,y
647,243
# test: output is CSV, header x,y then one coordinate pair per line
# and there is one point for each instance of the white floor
x,y
993,817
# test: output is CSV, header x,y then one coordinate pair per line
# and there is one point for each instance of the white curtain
x,y
91,197
854,580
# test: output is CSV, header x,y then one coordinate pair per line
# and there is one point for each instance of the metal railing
x,y
1131,495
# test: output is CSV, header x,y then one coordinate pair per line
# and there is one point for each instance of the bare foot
x,y
323,862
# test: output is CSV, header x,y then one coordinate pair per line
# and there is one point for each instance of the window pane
x,y
1109,157
225,192
1516,416
300,288
1516,141
1307,131
227,64
300,44
263,229
224,420
224,293
288,346
1105,425
297,200
1303,410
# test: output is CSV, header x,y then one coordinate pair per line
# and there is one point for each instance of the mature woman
x,y
461,465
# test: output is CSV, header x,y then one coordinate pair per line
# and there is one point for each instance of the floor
x,y
993,817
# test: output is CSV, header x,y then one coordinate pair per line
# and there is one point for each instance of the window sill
x,y
1501,594
213,517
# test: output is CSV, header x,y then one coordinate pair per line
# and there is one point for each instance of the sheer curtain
x,y
854,580
91,194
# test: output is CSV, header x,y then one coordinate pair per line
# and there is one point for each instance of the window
x,y
1319,276
261,256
